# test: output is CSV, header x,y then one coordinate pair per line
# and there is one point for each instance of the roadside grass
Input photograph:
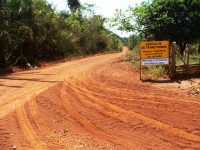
x,y
151,72
194,56
193,59
156,71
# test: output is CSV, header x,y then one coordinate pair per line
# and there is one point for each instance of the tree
x,y
166,20
31,30
73,5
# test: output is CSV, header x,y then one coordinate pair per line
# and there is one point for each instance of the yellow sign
x,y
154,50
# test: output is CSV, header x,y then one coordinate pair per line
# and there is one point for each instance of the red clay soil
x,y
94,103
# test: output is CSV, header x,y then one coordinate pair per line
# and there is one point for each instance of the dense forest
x,y
32,31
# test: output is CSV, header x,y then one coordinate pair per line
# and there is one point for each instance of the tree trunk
x,y
182,46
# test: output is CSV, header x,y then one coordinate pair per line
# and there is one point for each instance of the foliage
x,y
132,41
73,5
163,20
155,72
194,55
31,30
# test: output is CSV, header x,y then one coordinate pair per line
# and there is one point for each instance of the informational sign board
x,y
154,53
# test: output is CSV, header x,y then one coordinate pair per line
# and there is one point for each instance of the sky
x,y
104,7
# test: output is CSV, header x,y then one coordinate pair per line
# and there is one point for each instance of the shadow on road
x,y
169,80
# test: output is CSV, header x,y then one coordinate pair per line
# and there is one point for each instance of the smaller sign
x,y
161,61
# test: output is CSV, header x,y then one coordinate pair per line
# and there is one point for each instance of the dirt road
x,y
94,103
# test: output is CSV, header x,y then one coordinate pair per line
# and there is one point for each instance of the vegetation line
x,y
32,31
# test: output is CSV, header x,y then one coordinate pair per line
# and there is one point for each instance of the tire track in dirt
x,y
91,127
28,131
42,129
125,115
21,99
48,77
84,102
103,120
108,92
129,101
89,76
11,102
33,108
175,131
4,136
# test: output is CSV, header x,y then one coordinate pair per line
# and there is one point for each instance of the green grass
x,y
156,71
152,71
193,59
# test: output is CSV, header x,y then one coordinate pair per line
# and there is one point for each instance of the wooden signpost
x,y
154,53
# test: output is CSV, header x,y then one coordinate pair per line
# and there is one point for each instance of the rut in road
x,y
100,105
121,114
91,127
28,130
128,116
